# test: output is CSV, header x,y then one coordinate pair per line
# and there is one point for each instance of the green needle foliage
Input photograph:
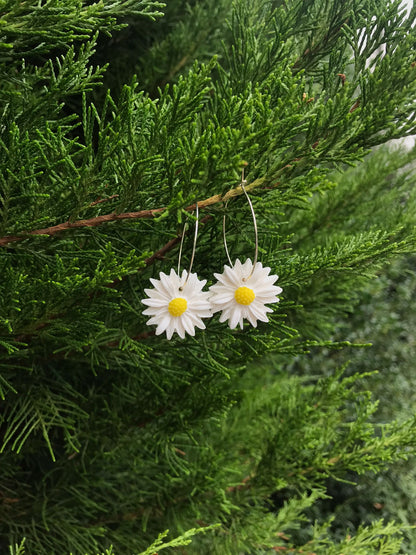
x,y
386,316
115,119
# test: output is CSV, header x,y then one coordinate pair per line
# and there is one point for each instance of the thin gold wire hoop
x,y
193,248
256,238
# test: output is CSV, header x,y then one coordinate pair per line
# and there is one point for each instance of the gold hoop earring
x,y
243,290
193,247
256,235
177,303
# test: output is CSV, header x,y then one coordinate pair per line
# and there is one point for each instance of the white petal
x,y
260,272
196,320
221,298
218,276
260,312
258,282
155,283
218,289
171,283
222,281
188,324
199,304
206,313
163,286
200,324
264,298
193,285
180,330
246,268
225,315
155,294
252,319
261,275
154,320
154,302
237,265
235,318
151,311
232,275
163,325
265,288
260,307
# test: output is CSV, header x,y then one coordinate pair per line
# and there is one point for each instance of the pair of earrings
x,y
177,304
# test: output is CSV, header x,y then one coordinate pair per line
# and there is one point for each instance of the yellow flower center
x,y
177,306
244,295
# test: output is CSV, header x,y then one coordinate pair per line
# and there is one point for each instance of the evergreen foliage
x,y
111,436
386,315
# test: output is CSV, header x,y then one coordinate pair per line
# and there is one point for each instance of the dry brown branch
x,y
158,255
105,218
100,200
356,104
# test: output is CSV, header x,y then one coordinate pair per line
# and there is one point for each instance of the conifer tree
x,y
118,120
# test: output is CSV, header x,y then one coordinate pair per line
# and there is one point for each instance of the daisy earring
x,y
243,289
177,303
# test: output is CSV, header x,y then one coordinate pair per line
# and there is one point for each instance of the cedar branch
x,y
157,255
105,218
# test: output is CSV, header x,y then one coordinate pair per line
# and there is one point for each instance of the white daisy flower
x,y
174,308
242,293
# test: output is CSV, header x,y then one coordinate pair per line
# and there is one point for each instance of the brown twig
x,y
92,222
100,200
355,106
244,485
105,218
158,255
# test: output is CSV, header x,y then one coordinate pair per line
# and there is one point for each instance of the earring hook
x,y
256,239
193,248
